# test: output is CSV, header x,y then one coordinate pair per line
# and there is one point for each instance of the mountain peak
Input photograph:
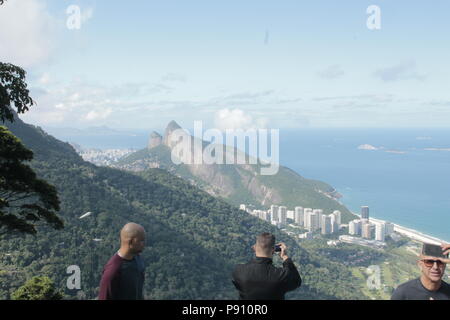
x,y
155,134
155,140
172,126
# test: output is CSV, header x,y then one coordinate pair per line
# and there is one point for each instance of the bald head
x,y
132,237
131,230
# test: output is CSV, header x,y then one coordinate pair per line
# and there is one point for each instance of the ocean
x,y
398,179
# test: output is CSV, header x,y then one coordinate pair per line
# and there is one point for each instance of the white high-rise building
x,y
334,224
337,213
290,214
325,224
380,231
313,221
367,230
319,213
298,215
306,213
264,215
242,207
274,213
354,227
282,215
389,228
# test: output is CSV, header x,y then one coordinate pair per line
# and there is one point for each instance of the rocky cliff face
x,y
155,140
239,183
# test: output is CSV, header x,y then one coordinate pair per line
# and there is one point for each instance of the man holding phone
x,y
430,285
259,279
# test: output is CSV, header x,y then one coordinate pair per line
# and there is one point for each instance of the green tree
x,y
13,91
25,200
37,288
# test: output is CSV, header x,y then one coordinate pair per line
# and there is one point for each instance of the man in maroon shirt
x,y
123,274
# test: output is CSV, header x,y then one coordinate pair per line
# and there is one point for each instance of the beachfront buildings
x,y
365,212
354,227
313,220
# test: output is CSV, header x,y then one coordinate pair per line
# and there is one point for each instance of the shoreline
x,y
410,233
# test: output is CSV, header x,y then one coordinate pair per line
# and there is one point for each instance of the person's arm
x,y
289,277
446,250
109,283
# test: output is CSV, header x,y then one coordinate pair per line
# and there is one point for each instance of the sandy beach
x,y
411,233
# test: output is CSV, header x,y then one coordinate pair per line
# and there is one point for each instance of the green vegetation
x,y
298,191
194,239
37,288
239,184
397,263
25,200
13,91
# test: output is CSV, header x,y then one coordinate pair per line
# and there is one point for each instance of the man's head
x,y
132,238
265,245
431,262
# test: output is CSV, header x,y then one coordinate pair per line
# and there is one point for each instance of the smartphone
x,y
433,251
277,248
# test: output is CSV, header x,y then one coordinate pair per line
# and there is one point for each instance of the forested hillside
x,y
194,239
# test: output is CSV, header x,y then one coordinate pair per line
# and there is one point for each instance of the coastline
x,y
410,233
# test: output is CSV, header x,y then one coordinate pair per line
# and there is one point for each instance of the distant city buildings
x,y
282,215
325,225
361,231
291,214
362,242
380,231
367,230
298,216
354,227
365,212
389,228
102,157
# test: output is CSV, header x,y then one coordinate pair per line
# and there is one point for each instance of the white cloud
x,y
26,36
98,114
237,119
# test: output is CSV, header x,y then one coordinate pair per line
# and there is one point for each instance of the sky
x,y
244,64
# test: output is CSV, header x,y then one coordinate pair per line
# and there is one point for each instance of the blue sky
x,y
283,64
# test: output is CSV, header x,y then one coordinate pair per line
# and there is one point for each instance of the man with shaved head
x,y
123,274
260,279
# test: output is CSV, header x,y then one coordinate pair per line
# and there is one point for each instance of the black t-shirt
x,y
414,290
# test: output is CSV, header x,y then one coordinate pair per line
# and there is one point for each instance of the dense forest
x,y
193,239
